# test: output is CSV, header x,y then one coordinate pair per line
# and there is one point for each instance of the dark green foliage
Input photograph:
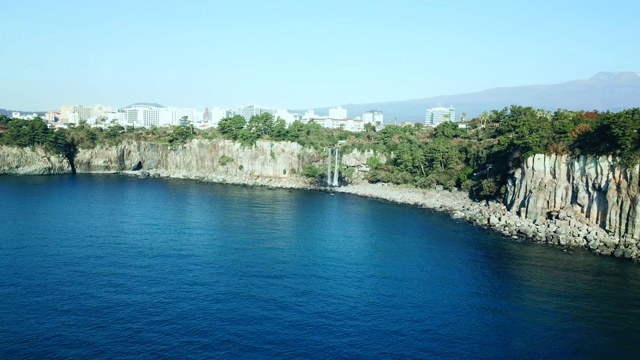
x,y
24,133
523,131
279,131
613,134
28,133
231,127
313,171
4,120
224,160
178,136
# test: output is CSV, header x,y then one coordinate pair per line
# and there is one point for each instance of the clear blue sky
x,y
299,53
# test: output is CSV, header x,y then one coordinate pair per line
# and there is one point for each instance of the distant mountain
x,y
145,104
603,91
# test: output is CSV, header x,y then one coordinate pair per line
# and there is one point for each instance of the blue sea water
x,y
117,267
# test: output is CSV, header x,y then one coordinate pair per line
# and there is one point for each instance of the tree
x,y
260,125
279,131
179,135
524,130
231,127
447,130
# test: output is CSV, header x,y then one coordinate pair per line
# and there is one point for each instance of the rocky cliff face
x,y
597,188
218,160
31,161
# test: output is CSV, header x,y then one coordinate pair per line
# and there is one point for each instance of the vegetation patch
x,y
225,160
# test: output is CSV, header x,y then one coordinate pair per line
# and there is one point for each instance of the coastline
x,y
563,229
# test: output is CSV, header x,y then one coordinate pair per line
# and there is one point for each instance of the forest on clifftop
x,y
476,156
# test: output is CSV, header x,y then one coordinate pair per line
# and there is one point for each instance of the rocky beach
x,y
564,228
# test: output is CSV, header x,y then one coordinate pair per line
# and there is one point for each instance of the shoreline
x,y
563,229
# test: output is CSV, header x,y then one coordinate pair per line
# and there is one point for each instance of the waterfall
x,y
335,173
329,167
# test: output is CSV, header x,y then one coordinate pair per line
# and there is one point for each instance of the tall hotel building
x,y
438,115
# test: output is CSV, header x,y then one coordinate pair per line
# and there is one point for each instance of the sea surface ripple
x,y
117,267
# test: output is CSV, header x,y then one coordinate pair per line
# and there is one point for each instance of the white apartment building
x,y
248,111
83,113
100,111
52,116
19,115
373,117
65,110
218,114
192,115
438,115
309,114
354,125
251,110
286,116
338,113
115,117
141,115
147,116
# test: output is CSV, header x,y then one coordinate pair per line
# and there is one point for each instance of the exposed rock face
x,y
357,160
597,188
217,160
31,161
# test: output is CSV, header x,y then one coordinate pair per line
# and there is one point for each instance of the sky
x,y
300,54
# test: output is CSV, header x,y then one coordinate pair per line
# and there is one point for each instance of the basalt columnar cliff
x,y
32,161
265,162
597,188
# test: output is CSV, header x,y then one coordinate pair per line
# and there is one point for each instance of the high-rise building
x,y
338,113
309,115
83,113
438,115
218,114
248,111
373,117
100,111
142,115
284,115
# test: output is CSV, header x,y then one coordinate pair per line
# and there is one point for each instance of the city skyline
x,y
300,55
155,115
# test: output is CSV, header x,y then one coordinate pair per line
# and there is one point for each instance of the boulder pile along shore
x,y
563,228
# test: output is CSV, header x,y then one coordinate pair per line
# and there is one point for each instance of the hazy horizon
x,y
293,55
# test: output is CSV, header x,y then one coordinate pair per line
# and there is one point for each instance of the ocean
x,y
107,266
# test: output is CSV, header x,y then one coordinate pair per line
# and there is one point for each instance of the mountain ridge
x,y
604,91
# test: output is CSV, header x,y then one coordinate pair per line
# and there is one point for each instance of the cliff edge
x,y
32,161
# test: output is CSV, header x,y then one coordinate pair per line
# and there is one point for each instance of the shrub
x,y
224,160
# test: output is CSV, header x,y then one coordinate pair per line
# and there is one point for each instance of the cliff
x,y
593,190
266,163
597,188
32,161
